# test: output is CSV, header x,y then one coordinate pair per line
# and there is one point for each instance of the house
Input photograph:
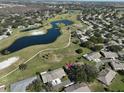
x,y
77,88
120,41
106,76
54,77
2,88
109,55
112,43
94,56
83,38
121,54
116,65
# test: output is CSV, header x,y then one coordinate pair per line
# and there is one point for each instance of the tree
x,y
97,34
115,48
97,47
87,44
100,40
75,41
82,73
96,39
35,86
79,51
22,66
5,52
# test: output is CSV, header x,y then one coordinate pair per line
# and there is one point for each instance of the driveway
x,y
21,85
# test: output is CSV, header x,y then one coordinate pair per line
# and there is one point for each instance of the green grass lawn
x,y
37,64
96,86
117,84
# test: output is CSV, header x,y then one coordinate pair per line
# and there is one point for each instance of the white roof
x,y
93,56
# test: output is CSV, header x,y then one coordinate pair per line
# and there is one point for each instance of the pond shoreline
x,y
51,35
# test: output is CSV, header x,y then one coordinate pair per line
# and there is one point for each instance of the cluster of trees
x,y
92,46
96,40
35,86
82,73
114,48
79,51
94,43
97,47
5,52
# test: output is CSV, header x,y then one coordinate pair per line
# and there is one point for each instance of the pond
x,y
47,38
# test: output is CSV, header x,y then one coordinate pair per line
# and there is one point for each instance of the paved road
x,y
21,85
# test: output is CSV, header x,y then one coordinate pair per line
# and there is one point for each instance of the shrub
x,y
79,51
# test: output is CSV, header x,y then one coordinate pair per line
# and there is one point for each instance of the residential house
x,y
109,55
120,41
81,36
113,43
106,76
94,56
116,65
56,78
121,54
77,88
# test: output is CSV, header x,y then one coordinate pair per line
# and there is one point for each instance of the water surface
x,y
47,38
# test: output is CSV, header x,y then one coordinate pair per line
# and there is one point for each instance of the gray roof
x,y
106,76
121,53
52,75
83,89
117,65
93,56
112,42
109,54
77,88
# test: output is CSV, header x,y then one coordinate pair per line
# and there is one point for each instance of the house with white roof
x,y
94,56
53,77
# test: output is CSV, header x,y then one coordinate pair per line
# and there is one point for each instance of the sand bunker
x,y
8,62
37,33
3,37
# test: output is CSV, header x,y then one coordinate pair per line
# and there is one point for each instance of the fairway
x,y
35,64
